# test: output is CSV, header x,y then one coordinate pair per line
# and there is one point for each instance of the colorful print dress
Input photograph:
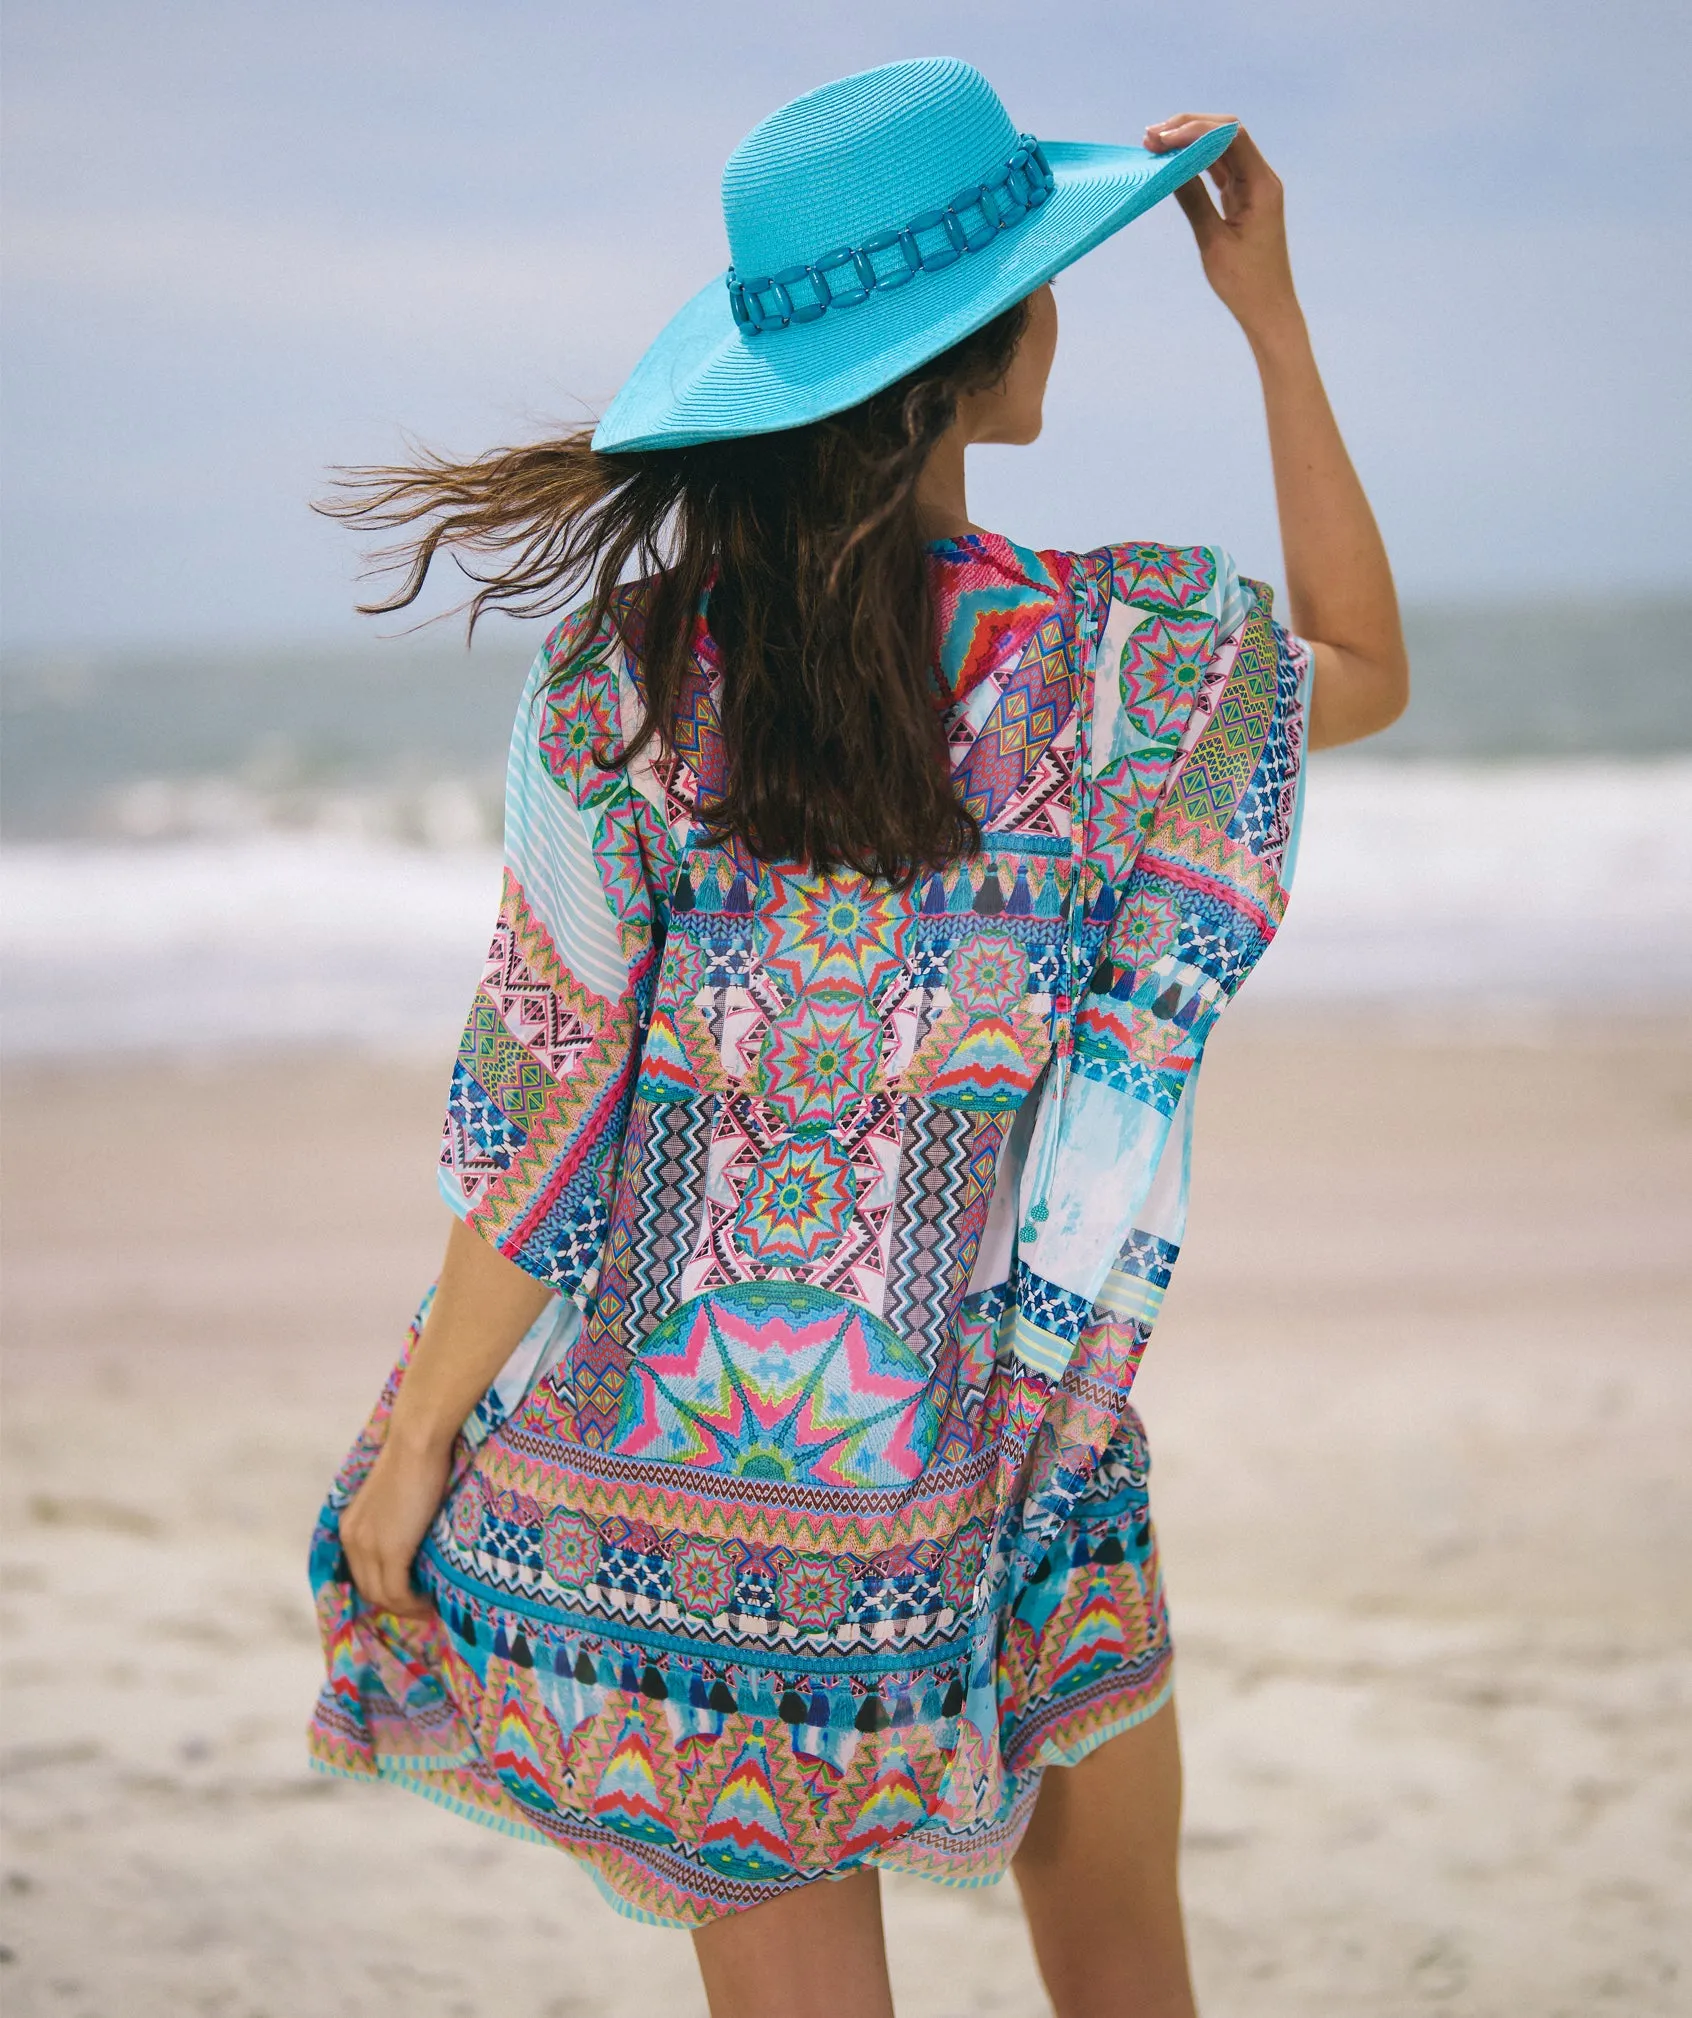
x,y
809,1523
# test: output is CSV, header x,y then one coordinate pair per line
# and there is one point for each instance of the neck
x,y
941,499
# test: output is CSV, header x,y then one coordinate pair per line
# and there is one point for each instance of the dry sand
x,y
1420,1408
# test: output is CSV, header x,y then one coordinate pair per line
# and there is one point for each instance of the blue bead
x,y
791,277
944,255
831,263
970,222
781,314
983,230
889,241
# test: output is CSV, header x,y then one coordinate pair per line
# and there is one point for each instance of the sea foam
x,y
1493,888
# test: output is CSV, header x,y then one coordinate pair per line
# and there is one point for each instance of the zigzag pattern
x,y
1208,787
938,1223
530,995
1033,701
798,1552
530,1457
651,1225
575,1111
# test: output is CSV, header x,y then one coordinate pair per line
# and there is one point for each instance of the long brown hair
x,y
807,548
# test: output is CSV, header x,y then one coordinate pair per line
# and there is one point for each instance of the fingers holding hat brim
x,y
705,379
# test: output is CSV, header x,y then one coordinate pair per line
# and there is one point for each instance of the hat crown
x,y
860,156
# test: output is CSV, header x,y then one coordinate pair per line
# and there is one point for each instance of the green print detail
x,y
723,1585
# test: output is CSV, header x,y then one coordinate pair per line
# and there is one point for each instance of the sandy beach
x,y
1419,1408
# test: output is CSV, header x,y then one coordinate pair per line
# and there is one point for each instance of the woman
x,y
759,1499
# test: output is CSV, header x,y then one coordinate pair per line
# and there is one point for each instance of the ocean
x,y
204,850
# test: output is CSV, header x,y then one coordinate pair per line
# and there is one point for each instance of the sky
x,y
244,243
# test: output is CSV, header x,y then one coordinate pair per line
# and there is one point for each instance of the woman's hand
x,y
1339,585
386,1520
483,1305
1244,245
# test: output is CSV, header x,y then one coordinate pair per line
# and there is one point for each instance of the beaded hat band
x,y
990,215
849,275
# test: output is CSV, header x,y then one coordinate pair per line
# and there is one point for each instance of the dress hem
x,y
401,1773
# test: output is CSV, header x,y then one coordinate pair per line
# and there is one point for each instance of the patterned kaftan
x,y
809,1523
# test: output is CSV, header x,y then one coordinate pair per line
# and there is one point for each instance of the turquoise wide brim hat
x,y
872,224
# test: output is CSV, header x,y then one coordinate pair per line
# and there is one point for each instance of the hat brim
x,y
705,379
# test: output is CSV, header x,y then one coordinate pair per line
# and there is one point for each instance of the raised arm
x,y
1338,580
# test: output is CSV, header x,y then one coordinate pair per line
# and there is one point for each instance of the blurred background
x,y
1421,1396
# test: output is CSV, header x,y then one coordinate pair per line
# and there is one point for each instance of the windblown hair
x,y
807,551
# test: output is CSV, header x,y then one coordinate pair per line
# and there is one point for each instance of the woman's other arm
x,y
483,1305
1339,583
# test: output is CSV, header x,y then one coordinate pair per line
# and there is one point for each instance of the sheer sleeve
x,y
1190,802
541,1086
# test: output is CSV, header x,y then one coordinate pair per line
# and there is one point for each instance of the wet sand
x,y
1420,1407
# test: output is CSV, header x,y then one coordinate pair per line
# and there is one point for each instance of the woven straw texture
x,y
835,167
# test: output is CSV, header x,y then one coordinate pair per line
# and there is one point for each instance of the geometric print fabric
x,y
821,1524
